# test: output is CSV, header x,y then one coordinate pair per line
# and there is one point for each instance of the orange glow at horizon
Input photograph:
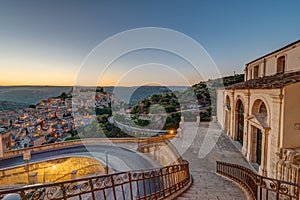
x,y
62,76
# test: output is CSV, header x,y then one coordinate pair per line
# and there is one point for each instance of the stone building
x,y
5,140
263,113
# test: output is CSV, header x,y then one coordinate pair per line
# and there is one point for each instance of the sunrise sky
x,y
46,42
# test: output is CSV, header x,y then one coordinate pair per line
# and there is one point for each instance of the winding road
x,y
120,158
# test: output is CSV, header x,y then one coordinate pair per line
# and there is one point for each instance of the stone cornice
x,y
276,98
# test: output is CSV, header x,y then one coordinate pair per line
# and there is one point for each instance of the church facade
x,y
263,113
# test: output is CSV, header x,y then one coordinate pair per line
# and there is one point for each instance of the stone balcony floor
x,y
207,185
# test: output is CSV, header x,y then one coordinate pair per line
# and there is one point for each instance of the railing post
x,y
130,186
92,188
162,182
74,175
33,178
63,189
113,186
23,195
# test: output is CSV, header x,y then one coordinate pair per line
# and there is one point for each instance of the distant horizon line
x,y
94,86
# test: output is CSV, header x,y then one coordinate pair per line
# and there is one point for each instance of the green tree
x,y
32,106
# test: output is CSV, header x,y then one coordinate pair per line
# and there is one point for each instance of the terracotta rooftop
x,y
268,82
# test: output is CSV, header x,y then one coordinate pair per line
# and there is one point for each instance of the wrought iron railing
x,y
259,187
143,184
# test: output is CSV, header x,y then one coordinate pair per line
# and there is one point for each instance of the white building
x,y
5,140
263,113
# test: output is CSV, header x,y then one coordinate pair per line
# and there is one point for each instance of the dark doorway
x,y
240,122
259,146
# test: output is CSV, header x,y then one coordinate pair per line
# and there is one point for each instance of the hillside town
x,y
49,121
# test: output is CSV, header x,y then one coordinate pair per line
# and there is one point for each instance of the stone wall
x,y
161,149
288,167
60,145
51,171
163,152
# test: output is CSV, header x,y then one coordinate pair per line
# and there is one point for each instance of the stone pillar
x,y
179,133
98,173
214,119
180,125
246,141
232,117
282,170
287,171
198,119
249,155
279,170
294,173
182,119
226,120
33,178
263,166
74,174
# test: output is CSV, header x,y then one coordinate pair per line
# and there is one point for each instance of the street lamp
x,y
171,131
106,162
44,177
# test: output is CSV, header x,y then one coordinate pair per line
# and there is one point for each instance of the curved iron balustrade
x,y
259,187
141,184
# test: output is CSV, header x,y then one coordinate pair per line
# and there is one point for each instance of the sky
x,y
50,42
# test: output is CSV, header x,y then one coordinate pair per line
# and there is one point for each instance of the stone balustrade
x,y
288,166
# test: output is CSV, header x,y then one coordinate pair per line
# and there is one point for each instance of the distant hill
x,y
134,94
30,94
17,97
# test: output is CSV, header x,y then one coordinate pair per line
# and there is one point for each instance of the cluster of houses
x,y
52,120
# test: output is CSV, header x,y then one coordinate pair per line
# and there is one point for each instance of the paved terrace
x,y
207,185
205,144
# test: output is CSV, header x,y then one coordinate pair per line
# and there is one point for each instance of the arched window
x,y
228,103
256,71
281,64
259,109
263,109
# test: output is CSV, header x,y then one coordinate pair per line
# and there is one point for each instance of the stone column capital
x,y
276,98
